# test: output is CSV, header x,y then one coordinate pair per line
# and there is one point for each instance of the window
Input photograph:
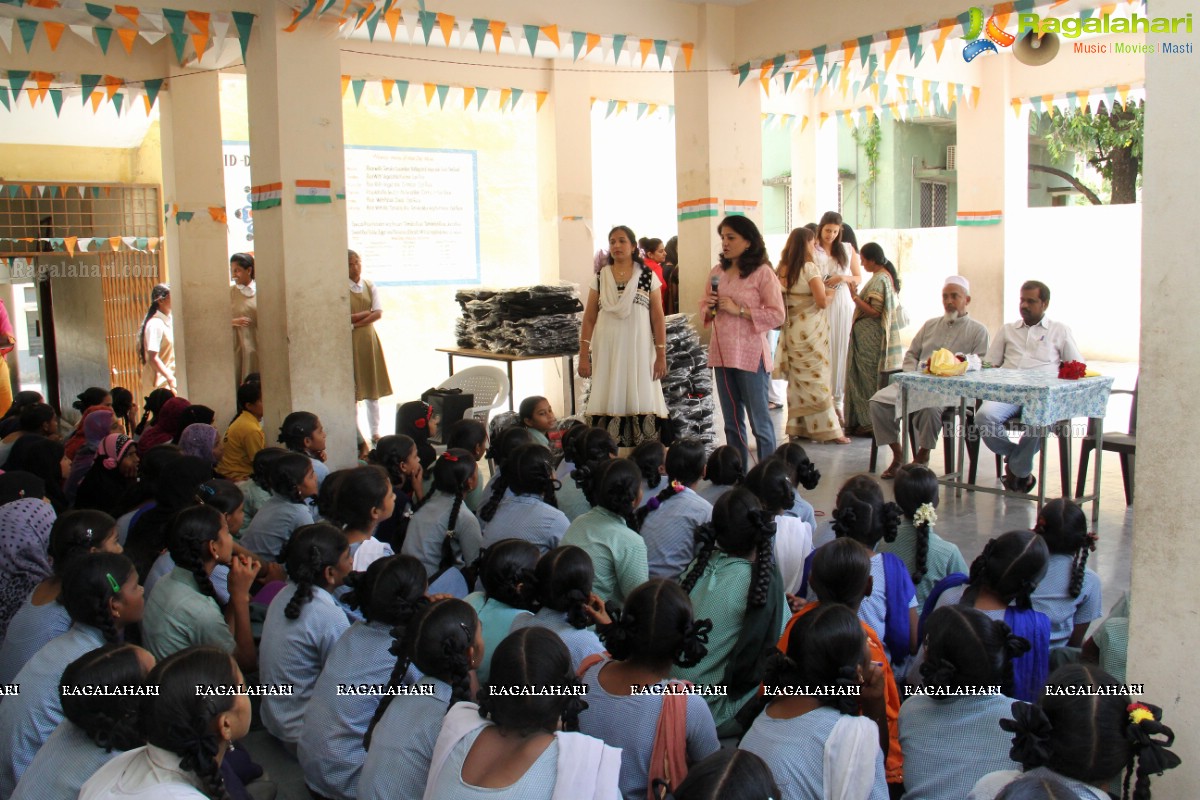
x,y
933,204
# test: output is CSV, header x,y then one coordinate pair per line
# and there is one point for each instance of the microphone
x,y
715,284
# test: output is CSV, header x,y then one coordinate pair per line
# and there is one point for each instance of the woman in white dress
x,y
622,345
840,266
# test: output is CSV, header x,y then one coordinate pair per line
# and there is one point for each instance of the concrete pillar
x,y
992,141
814,168
295,119
197,256
1165,546
718,145
569,92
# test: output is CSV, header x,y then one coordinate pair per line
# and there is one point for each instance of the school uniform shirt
x,y
536,784
581,642
293,651
28,719
992,784
65,762
933,771
618,553
941,559
330,749
148,772
496,618
243,439
629,722
164,564
795,749
1053,598
539,437
873,609
712,491
571,499
274,524
649,492
669,532
1040,348
30,629
397,765
527,517
802,509
427,529
179,615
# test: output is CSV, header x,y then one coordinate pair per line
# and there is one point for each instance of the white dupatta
x,y
850,753
615,301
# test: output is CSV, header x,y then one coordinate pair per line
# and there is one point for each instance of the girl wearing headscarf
x,y
94,427
24,552
167,427
112,475
201,441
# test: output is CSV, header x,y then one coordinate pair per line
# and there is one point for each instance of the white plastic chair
x,y
489,385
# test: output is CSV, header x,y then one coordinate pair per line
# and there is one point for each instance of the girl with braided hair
x,y
560,590
668,520
804,473
42,616
514,745
530,510
724,470
608,533
811,732
398,456
184,609
891,608
303,433
1089,735
1069,593
570,430
929,557
98,727
435,654
293,481
734,582
503,568
188,732
443,533
651,459
965,650
471,435
770,481
652,633
503,447
1001,584
330,749
102,596
303,623
590,449
361,499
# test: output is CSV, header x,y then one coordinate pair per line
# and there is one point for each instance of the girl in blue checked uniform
x,y
538,418
723,471
42,616
293,482
443,533
591,448
471,435
965,650
503,569
504,444
817,745
929,557
530,511
653,632
802,473
771,484
570,435
330,749
303,624
399,457
560,587
359,500
303,433
668,520
1069,592
651,459
97,727
102,597
608,533
438,648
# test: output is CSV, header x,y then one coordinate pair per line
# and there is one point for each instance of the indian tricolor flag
x,y
695,209
979,218
268,195
739,208
313,192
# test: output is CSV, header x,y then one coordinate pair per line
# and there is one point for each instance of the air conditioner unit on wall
x,y
951,156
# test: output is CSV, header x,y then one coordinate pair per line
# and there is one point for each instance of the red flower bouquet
x,y
1071,370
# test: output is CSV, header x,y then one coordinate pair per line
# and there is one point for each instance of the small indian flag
x,y
313,192
739,207
695,209
268,195
979,218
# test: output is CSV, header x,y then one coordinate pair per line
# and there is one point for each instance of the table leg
x,y
571,381
511,388
451,357
1041,497
963,470
1096,479
904,424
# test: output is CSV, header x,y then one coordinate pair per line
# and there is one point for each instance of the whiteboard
x,y
413,214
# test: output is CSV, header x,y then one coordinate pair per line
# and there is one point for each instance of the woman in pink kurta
x,y
8,340
743,302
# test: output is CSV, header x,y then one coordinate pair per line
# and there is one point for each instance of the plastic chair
x,y
1124,444
489,385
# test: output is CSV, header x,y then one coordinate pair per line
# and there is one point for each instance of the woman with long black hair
x,y
156,348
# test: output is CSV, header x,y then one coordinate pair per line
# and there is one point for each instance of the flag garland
x,y
39,87
643,109
505,99
84,244
1121,94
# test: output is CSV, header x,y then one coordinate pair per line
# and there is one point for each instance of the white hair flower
x,y
925,515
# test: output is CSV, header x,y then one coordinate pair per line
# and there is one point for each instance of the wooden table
x,y
509,359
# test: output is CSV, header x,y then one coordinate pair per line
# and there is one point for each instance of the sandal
x,y
891,471
842,440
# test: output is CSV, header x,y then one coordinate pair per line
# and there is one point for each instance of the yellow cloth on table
x,y
944,363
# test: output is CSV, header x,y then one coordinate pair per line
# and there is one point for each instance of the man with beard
x,y
954,331
1035,344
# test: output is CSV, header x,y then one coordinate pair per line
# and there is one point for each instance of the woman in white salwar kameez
x,y
840,266
622,346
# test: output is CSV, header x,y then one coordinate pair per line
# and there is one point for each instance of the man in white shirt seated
x,y
1035,344
955,331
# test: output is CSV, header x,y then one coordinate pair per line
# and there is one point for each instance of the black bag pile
x,y
687,386
527,321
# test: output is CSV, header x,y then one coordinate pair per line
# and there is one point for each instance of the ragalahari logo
x,y
994,36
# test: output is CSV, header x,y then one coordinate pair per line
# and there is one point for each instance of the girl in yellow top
x,y
244,437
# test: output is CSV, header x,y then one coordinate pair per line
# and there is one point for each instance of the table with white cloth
x,y
1045,400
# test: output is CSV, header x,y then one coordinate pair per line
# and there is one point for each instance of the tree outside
x,y
1108,140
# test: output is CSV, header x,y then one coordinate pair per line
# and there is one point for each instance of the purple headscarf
x,y
96,426
199,440
24,557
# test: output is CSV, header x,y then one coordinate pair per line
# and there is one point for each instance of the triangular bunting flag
x,y
445,22
593,40
402,90
358,84
99,12
430,91
296,16
551,32
505,96
612,106
1016,106
69,242
16,79
427,20
179,42
660,50
130,13
127,37
541,98
578,39
644,47
200,18
88,84
468,95
117,100
54,32
152,86
388,85
688,49
945,28
175,19
4,100
200,43
480,27
391,18
481,93
516,96
618,46
531,38
641,110
28,29
848,51
777,64
345,84
496,28
373,25
915,48
56,97
743,73
864,49
788,77
442,91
